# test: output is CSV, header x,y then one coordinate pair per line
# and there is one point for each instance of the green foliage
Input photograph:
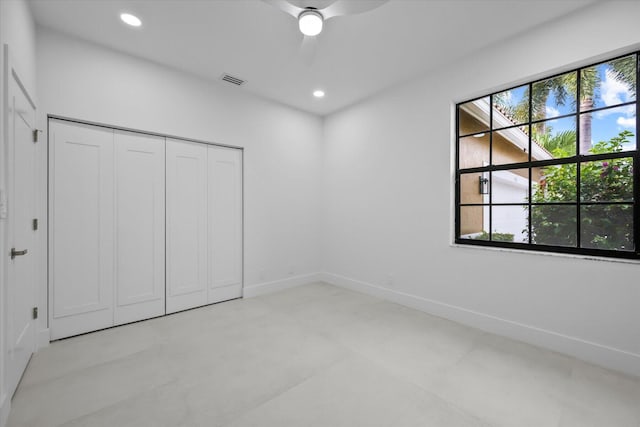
x,y
496,237
553,225
562,88
557,185
607,227
624,70
562,144
603,226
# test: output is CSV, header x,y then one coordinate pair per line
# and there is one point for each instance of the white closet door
x,y
82,228
186,225
139,239
225,223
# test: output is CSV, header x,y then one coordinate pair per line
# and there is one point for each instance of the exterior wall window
x,y
549,165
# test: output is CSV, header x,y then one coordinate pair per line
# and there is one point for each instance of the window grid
x,y
578,159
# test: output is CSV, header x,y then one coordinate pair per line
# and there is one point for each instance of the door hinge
x,y
35,134
35,312
35,224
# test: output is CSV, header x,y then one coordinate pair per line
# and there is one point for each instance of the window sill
x,y
542,253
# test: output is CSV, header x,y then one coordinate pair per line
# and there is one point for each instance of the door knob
x,y
15,253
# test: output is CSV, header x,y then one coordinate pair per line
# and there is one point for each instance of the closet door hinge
x,y
35,224
35,312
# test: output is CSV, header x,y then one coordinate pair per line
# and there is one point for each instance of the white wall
x,y
18,32
281,145
17,29
387,205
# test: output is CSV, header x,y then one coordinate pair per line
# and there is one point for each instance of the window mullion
x,y
578,161
636,175
490,168
529,210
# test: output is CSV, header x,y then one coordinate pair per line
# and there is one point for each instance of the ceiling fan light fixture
x,y
310,22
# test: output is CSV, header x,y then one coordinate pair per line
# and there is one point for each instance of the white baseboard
x,y
44,337
5,407
279,285
609,357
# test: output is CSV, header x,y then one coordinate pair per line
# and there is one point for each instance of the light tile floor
x,y
315,355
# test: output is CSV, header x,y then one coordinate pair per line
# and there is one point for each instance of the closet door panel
x,y
139,180
225,223
186,225
82,227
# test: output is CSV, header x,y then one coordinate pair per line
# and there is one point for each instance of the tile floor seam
x,y
475,344
85,368
117,403
120,401
287,389
425,390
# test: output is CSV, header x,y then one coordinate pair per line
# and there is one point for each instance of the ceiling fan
x,y
311,15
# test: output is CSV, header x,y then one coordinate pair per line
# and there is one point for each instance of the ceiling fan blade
x,y
350,7
308,49
286,7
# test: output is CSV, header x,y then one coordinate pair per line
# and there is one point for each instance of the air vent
x,y
233,80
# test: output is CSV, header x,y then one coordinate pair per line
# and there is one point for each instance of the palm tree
x,y
559,145
622,70
564,88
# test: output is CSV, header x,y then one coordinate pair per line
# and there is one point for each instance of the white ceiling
x,y
357,55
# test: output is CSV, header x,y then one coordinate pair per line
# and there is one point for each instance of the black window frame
x,y
577,160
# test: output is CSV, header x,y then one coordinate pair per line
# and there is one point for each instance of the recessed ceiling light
x,y
478,135
318,93
310,22
130,19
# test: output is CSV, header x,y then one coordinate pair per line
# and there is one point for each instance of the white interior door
x,y
139,253
21,212
225,223
81,253
186,225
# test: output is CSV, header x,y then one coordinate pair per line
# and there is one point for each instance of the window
x,y
550,165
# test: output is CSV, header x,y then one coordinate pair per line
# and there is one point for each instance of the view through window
x,y
549,165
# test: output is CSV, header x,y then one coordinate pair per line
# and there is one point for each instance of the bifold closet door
x,y
107,227
82,228
225,223
128,208
186,176
139,217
